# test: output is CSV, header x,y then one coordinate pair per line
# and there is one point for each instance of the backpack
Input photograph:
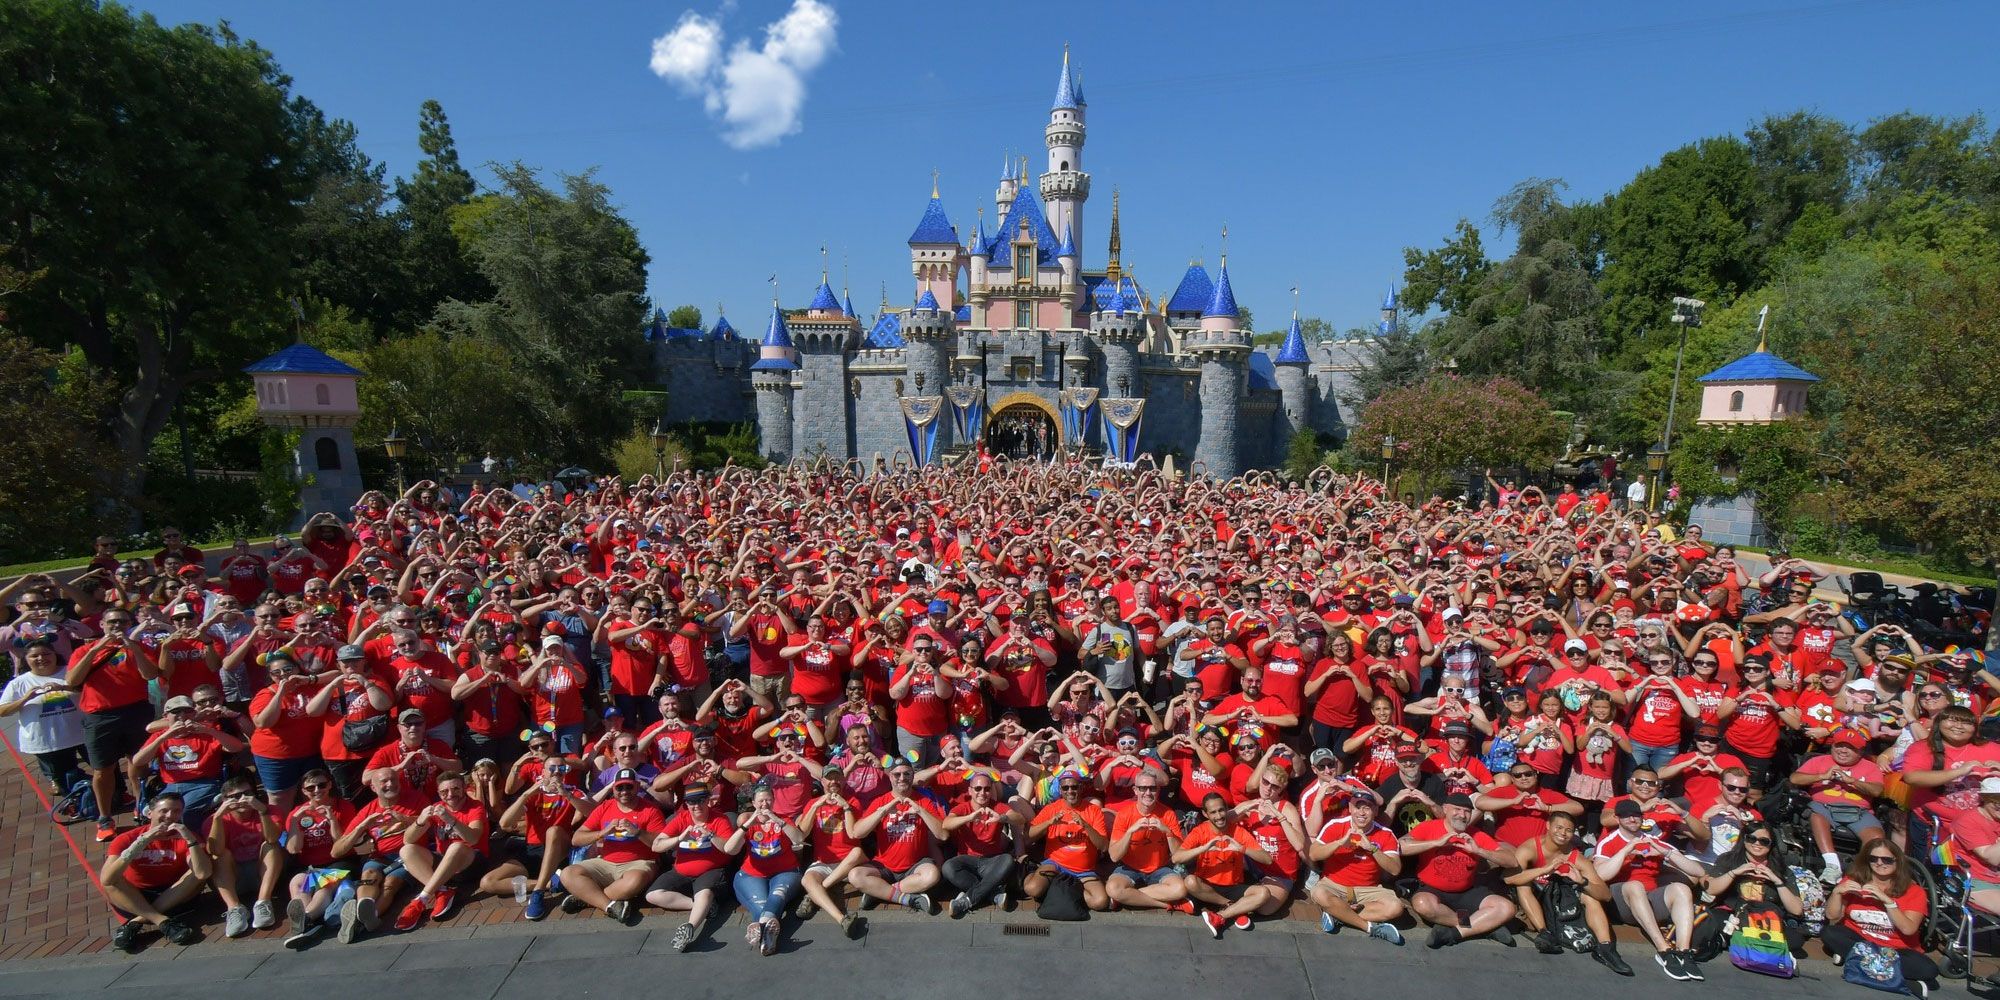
x,y
76,805
1758,943
1502,755
1563,908
1871,965
1812,893
1064,899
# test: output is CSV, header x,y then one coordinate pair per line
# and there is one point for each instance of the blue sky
x,y
1327,136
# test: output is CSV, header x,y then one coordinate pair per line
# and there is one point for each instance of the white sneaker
x,y
1831,876
264,916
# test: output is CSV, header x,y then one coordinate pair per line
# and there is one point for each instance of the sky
x,y
742,136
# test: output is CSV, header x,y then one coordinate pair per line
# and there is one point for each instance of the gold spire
x,y
1024,170
934,177
1111,266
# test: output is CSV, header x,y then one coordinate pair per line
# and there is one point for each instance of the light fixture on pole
x,y
660,441
1656,461
1687,316
396,446
1388,455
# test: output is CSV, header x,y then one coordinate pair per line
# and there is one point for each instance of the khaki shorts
x,y
1359,896
605,872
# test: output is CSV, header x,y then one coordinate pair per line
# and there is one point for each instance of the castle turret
x,y
1388,324
1222,350
1010,185
1118,327
771,380
1066,259
1294,392
934,250
929,334
825,335
1065,187
975,253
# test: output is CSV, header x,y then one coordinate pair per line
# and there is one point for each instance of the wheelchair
x,y
1953,926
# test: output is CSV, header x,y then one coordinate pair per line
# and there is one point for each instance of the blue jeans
x,y
1653,758
762,897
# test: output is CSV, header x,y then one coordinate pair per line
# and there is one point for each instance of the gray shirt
x,y
1118,669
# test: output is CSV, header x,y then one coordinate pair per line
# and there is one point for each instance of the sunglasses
x,y
1932,694
316,786
1736,788
1881,859
1645,781
1761,841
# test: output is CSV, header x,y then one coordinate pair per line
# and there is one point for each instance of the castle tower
x,y
306,390
1118,327
1294,392
771,380
1065,187
928,334
934,251
1388,324
1222,350
824,335
1010,185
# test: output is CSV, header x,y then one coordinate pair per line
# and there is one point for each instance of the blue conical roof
x,y
657,328
1066,95
978,245
302,359
1027,205
1117,306
1389,300
721,329
1192,294
824,300
775,352
1065,248
1759,366
1293,351
847,304
927,300
934,227
1223,302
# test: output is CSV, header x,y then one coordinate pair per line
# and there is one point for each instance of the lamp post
x,y
1388,455
660,440
396,446
1687,316
1656,461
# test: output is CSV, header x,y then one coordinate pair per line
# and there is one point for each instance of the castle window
x,y
1024,315
322,395
1065,164
1736,401
1024,263
278,392
326,454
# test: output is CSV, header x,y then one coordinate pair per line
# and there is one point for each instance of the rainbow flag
x,y
1945,853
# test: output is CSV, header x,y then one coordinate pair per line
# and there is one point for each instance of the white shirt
x,y
1636,493
49,722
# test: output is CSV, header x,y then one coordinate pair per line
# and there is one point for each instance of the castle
x,y
1012,341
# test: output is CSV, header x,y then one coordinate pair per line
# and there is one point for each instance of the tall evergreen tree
x,y
435,263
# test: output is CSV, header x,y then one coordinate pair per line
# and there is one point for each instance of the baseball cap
x,y
1575,646
351,652
1452,613
1847,736
1708,731
409,713
1862,684
1409,751
1627,808
179,702
1458,799
625,776
551,641
1320,756
1456,729
692,793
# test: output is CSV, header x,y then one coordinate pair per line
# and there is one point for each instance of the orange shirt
x,y
1150,849
1220,867
1064,842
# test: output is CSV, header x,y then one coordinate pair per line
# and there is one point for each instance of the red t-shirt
x,y
420,774
193,757
190,665
1285,672
817,671
1641,866
920,711
1655,718
442,836
902,839
544,813
767,850
1516,824
158,865
694,856
635,659
114,683
1339,705
1867,918
635,847
1350,865
1150,849
388,845
1449,868
828,828
315,833
1755,727
1220,867
293,734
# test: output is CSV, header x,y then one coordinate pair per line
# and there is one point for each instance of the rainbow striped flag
x,y
1946,853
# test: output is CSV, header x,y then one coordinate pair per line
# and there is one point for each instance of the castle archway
x,y
1023,426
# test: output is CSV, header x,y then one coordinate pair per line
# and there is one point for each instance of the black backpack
x,y
1562,907
1064,900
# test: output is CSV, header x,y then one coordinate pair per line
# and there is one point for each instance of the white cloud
x,y
688,54
758,93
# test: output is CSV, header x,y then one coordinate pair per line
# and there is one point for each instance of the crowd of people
x,y
807,692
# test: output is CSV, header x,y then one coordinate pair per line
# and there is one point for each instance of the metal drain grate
x,y
1024,930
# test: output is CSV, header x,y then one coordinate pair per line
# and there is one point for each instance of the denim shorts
x,y
1141,879
282,774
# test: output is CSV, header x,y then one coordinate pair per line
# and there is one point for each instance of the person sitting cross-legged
x,y
1219,848
150,871
448,838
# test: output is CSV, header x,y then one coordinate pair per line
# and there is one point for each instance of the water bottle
x,y
521,889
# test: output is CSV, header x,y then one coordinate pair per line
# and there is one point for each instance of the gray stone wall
x,y
774,415
820,417
878,417
1219,450
1294,405
705,379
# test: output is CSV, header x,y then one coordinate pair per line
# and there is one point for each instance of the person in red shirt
x,y
1341,690
1844,786
923,696
555,686
415,758
1881,902
309,835
348,705
1700,769
631,834
1633,861
190,752
769,878
1356,855
1521,810
546,816
110,674
1753,716
1556,855
243,842
188,656
1216,660
1219,848
1978,835
153,869
1252,706
375,835
448,837
1449,894
1144,835
835,852
986,836
818,662
424,679
489,695
285,742
905,827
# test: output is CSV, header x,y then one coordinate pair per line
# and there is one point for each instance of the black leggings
x,y
979,878
1837,939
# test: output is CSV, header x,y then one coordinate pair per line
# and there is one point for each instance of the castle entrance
x,y
1023,431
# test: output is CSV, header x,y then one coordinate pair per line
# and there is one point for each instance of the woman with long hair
x,y
1880,901
1758,870
1943,771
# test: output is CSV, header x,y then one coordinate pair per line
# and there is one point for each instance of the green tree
x,y
347,248
50,478
1448,423
685,318
454,398
1303,455
568,275
1448,277
1681,227
436,266
1396,359
153,175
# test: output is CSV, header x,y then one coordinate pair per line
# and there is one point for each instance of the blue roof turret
x,y
776,352
934,227
824,300
1223,301
1066,93
927,300
1192,294
1293,351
